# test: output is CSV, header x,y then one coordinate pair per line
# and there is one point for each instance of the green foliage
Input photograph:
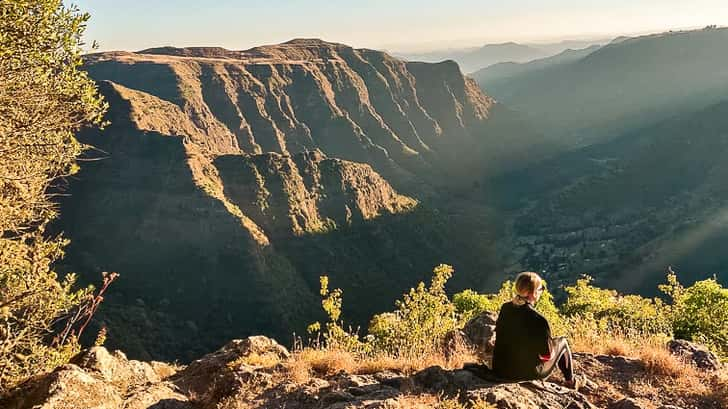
x,y
699,312
421,320
334,334
44,99
468,303
627,313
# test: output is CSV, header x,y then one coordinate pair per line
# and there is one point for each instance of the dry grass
x,y
658,361
309,362
319,362
594,341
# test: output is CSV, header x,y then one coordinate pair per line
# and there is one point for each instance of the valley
x,y
234,179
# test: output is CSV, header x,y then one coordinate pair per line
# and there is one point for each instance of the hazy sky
x,y
399,25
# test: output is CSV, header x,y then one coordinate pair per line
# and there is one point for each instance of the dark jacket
x,y
521,335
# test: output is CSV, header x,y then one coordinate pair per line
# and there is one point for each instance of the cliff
x,y
355,104
234,179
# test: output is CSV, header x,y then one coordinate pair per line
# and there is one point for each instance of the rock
x,y
477,334
115,368
627,403
530,395
699,355
223,372
523,395
480,330
337,396
158,396
69,386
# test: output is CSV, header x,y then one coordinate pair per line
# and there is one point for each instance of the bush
x,y
700,312
44,99
334,334
422,319
623,313
468,303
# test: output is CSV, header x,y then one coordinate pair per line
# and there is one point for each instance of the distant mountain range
x,y
473,59
581,96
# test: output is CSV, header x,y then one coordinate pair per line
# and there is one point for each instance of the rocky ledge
x,y
255,373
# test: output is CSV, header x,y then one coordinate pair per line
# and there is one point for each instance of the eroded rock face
x,y
699,355
355,104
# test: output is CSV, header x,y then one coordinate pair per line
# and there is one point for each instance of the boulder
x,y
529,395
68,387
222,373
699,355
115,368
478,335
480,330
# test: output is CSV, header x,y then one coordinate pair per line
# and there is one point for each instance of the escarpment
x,y
360,105
234,179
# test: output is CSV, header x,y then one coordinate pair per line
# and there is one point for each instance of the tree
x,y
44,99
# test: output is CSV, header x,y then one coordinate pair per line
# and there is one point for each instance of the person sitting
x,y
524,348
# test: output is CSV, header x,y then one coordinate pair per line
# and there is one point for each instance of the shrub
x,y
421,320
334,334
700,312
468,303
44,99
627,314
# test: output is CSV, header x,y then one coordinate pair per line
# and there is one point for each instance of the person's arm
x,y
545,354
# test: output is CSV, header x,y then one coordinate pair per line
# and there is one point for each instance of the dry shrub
x,y
262,360
319,361
658,361
298,371
322,362
403,365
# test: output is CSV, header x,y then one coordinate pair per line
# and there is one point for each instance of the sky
x,y
394,25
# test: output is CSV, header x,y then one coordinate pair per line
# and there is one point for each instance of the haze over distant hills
x,y
625,209
476,58
628,83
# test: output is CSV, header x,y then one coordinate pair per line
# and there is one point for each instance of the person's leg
x,y
566,360
560,357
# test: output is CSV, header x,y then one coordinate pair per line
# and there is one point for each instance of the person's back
x,y
524,348
522,337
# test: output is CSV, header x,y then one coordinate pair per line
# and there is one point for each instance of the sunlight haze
x,y
398,26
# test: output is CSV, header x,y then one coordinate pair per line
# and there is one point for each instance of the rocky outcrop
x,y
226,378
477,335
101,380
257,372
698,355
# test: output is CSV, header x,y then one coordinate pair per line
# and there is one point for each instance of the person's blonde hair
x,y
527,282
